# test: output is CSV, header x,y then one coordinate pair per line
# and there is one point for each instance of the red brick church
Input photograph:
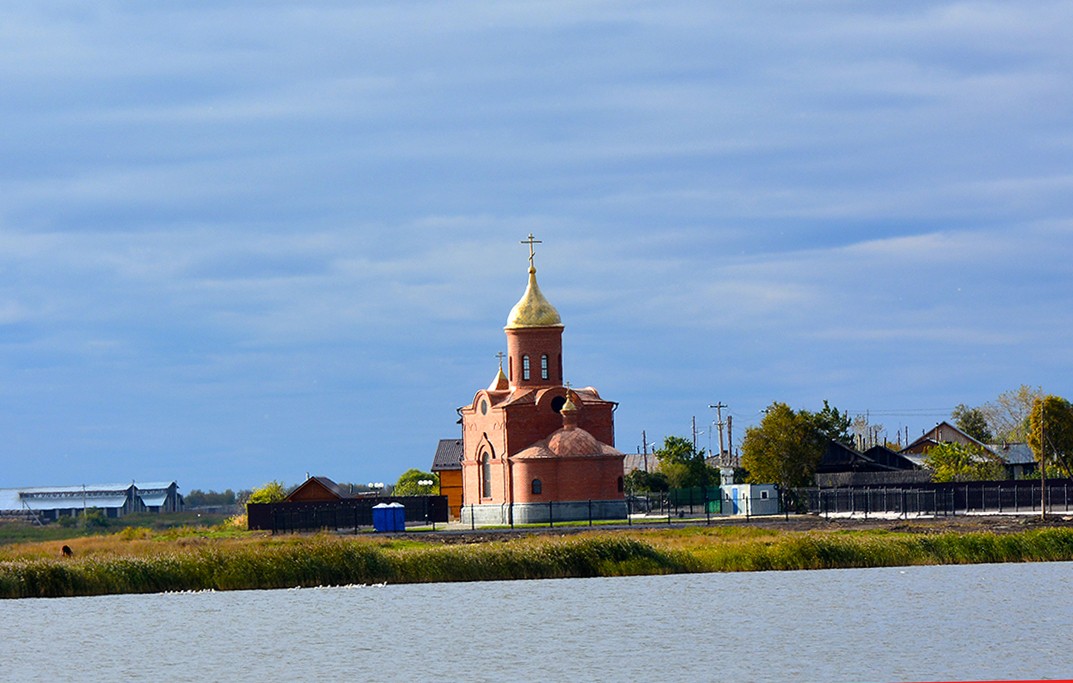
x,y
532,446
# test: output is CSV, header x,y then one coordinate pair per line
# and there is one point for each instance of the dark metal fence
x,y
677,502
940,499
348,513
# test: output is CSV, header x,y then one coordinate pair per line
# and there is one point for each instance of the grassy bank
x,y
147,562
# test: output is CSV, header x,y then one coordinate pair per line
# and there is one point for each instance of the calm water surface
x,y
913,623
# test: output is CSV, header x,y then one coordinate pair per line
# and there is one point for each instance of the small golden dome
x,y
500,383
533,310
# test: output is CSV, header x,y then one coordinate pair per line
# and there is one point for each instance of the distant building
x,y
750,499
447,465
49,503
534,447
944,432
317,489
842,465
1017,458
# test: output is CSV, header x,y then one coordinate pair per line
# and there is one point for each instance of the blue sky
x,y
241,243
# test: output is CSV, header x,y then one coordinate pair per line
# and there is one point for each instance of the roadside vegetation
x,y
225,557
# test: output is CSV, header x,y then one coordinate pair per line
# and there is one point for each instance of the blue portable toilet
x,y
389,517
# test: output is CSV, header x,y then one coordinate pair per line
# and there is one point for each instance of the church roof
x,y
533,309
567,442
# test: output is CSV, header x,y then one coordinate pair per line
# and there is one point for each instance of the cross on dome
x,y
532,252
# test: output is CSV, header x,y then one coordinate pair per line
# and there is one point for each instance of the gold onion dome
x,y
533,310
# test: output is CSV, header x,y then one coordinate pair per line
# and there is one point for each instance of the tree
x,y
272,492
639,480
784,449
1050,432
973,422
832,425
958,462
682,464
1007,415
199,498
410,484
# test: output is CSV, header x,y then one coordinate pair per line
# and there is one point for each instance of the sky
x,y
245,242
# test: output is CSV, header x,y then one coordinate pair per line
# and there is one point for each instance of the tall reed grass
x,y
156,566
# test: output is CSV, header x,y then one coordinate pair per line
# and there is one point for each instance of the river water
x,y
912,623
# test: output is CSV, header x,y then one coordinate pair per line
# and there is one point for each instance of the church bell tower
x,y
534,337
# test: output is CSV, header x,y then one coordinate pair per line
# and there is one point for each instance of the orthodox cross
x,y
501,356
531,242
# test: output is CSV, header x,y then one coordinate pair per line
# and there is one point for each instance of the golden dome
x,y
533,310
500,383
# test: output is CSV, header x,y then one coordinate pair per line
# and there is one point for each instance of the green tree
x,y
973,422
199,498
682,464
409,484
784,449
94,518
832,424
958,462
1050,431
639,480
272,492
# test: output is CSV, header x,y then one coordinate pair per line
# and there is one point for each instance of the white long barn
x,y
49,503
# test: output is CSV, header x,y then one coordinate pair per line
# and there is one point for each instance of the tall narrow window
x,y
525,368
538,486
544,366
560,368
486,476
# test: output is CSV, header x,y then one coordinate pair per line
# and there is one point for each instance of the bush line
x,y
325,560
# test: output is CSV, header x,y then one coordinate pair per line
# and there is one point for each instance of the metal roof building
x,y
48,503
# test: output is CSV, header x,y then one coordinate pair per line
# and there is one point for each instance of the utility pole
x,y
694,433
730,439
644,448
1042,462
719,421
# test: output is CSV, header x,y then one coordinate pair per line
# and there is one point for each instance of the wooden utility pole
x,y
1042,462
644,448
730,439
719,421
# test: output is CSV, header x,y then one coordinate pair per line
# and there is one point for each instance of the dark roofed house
x,y
1018,458
447,465
316,489
845,466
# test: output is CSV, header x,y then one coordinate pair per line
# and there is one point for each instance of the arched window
x,y
621,485
538,486
525,368
560,368
486,476
544,366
